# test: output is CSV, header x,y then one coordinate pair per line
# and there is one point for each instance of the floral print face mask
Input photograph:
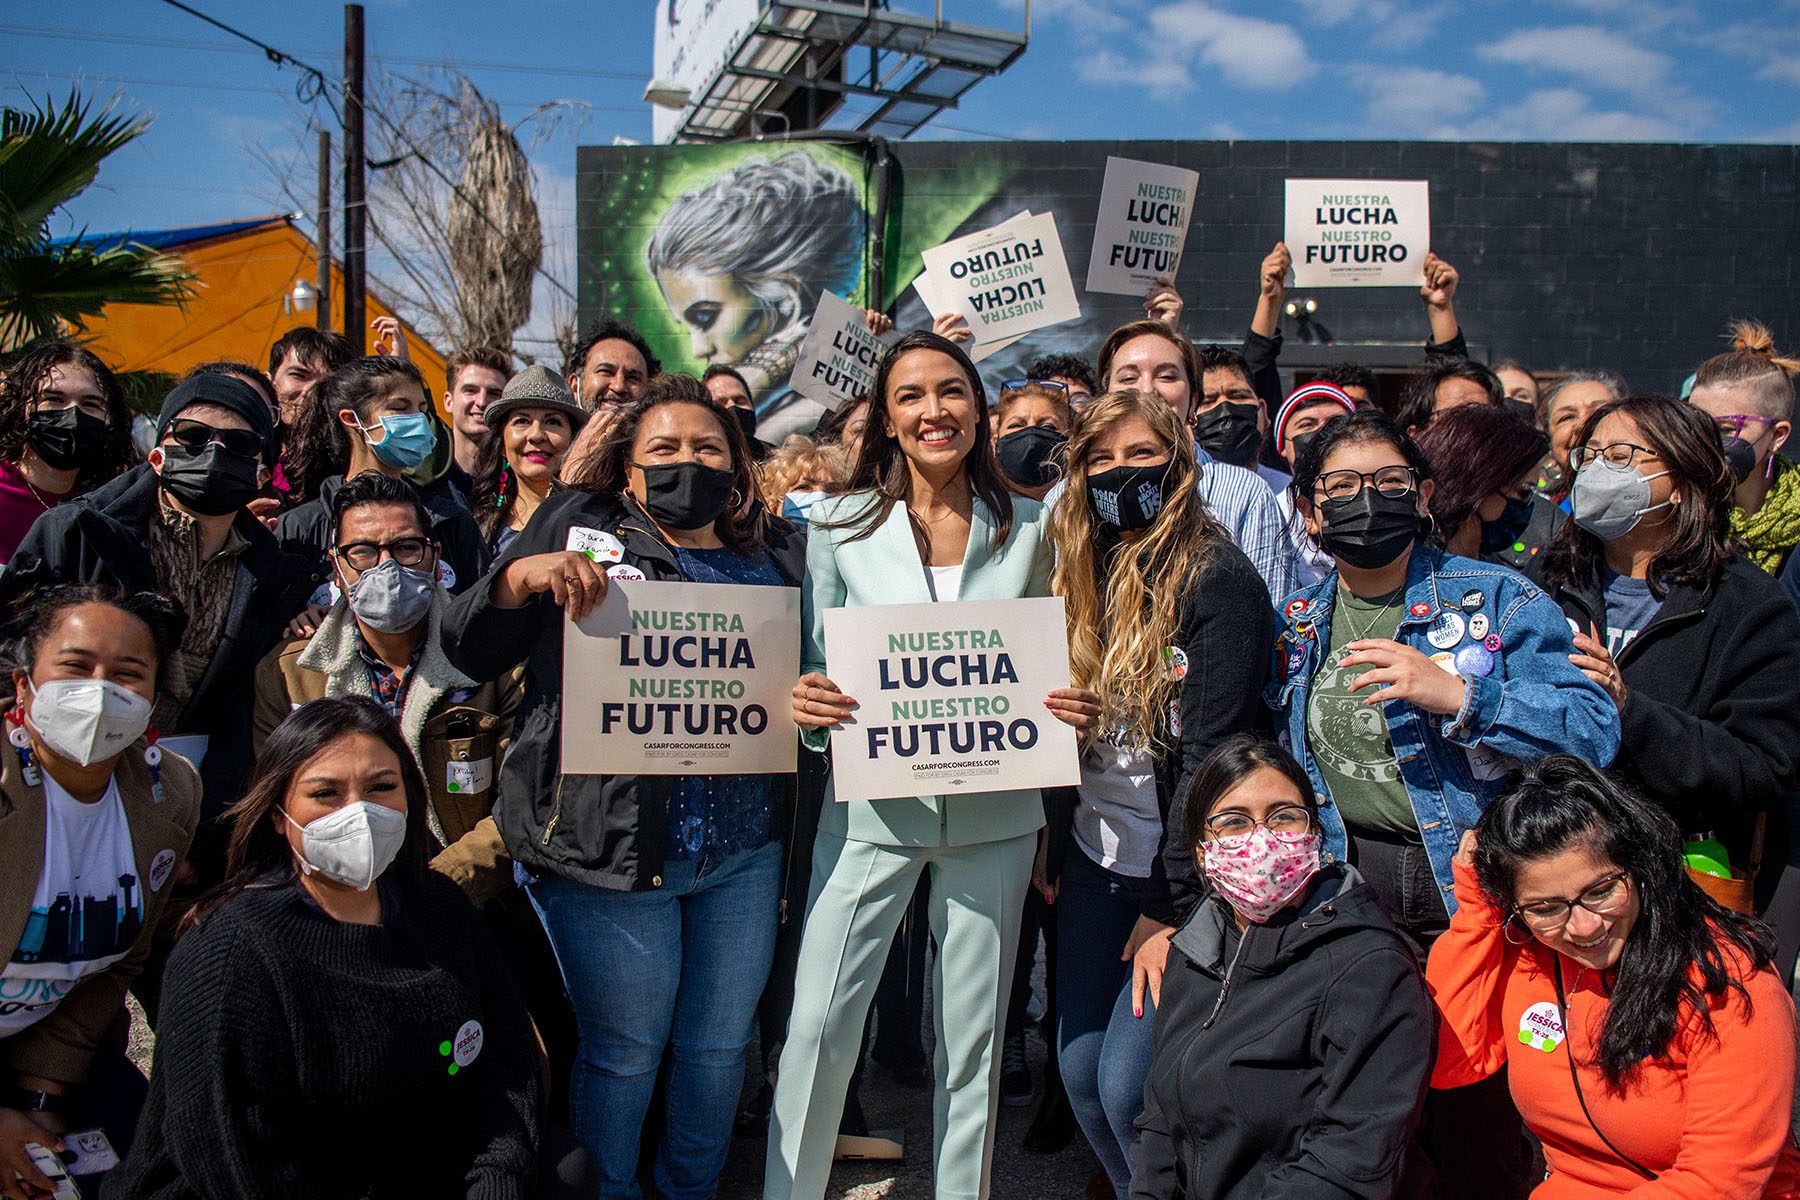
x,y
1257,872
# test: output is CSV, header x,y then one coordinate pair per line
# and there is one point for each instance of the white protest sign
x,y
1141,226
667,678
1008,280
838,355
951,698
1358,232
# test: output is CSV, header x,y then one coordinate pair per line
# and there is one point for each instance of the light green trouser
x,y
859,892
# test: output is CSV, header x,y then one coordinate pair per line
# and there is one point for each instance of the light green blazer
x,y
884,568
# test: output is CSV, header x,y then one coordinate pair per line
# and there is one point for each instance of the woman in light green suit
x,y
928,518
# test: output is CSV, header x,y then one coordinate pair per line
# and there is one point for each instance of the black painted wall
x,y
1631,257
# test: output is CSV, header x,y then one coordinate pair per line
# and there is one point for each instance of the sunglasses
x,y
1013,385
198,435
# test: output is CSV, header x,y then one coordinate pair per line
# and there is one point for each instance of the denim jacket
x,y
1529,701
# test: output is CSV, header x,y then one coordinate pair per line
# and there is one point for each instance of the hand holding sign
x,y
1005,281
1140,227
818,704
1163,303
1358,232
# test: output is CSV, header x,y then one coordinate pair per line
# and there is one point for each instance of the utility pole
x,y
355,198
322,310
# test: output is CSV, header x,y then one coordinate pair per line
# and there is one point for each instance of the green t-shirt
x,y
1348,738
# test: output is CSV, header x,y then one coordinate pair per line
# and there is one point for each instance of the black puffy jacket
x,y
605,830
1291,1061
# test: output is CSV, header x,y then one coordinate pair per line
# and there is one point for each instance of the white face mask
x,y
351,845
88,720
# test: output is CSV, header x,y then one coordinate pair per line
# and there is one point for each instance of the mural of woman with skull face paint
x,y
741,260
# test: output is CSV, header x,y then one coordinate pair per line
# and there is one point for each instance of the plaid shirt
x,y
389,687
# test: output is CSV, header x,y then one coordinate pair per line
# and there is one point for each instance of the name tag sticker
x,y
468,778
597,544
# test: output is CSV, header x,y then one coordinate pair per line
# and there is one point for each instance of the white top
x,y
87,910
945,582
1118,821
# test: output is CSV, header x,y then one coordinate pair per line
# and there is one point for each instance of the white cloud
x,y
1774,51
1176,39
1336,12
1643,15
1592,54
1097,16
1415,101
1568,115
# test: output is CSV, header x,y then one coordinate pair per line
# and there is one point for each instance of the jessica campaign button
x,y
1447,630
1474,659
1478,626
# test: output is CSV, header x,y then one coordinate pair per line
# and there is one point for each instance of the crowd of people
x,y
1438,752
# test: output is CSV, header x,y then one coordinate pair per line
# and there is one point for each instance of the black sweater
x,y
1227,632
1290,1062
299,1056
1711,724
305,530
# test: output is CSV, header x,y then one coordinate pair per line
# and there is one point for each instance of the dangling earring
x,y
505,479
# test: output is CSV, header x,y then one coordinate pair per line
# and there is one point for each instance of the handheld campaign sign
x,y
1141,226
667,678
951,698
838,355
1008,280
1358,232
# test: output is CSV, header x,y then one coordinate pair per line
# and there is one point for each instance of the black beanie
x,y
226,392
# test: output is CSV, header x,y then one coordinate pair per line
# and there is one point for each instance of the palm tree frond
x,y
48,155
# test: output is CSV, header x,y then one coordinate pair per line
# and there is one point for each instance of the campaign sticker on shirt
x,y
1419,609
624,571
446,574
1541,1027
597,544
1447,630
1174,662
1478,626
161,867
462,1050
468,778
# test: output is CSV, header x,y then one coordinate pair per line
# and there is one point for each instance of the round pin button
x,y
1474,660
1447,630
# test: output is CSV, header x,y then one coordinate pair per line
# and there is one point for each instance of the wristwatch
x,y
28,1100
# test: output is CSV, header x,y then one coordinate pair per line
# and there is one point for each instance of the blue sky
x,y
1583,70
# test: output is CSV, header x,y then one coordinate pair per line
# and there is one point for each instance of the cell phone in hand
x,y
51,1165
89,1152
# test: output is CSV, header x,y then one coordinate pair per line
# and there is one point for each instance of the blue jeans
x,y
679,967
1102,1047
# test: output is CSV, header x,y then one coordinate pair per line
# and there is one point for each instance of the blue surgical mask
x,y
407,440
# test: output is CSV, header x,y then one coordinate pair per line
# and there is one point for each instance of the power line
x,y
267,88
82,35
281,58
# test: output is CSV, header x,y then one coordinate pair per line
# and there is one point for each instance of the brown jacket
x,y
458,731
60,1045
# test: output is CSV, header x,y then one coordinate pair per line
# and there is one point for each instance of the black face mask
x,y
1370,530
67,438
1228,432
1296,446
686,495
1129,498
1032,457
1741,455
1504,532
211,481
746,419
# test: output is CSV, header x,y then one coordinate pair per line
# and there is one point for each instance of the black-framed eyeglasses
x,y
198,435
1617,455
1013,385
1290,820
1393,482
407,551
1606,898
1732,424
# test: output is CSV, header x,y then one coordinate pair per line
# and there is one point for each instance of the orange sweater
x,y
1711,1119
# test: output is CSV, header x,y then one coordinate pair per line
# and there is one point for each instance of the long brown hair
x,y
257,854
607,472
19,387
1698,543
1124,601
881,468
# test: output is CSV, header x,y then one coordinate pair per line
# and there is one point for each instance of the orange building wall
x,y
237,309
